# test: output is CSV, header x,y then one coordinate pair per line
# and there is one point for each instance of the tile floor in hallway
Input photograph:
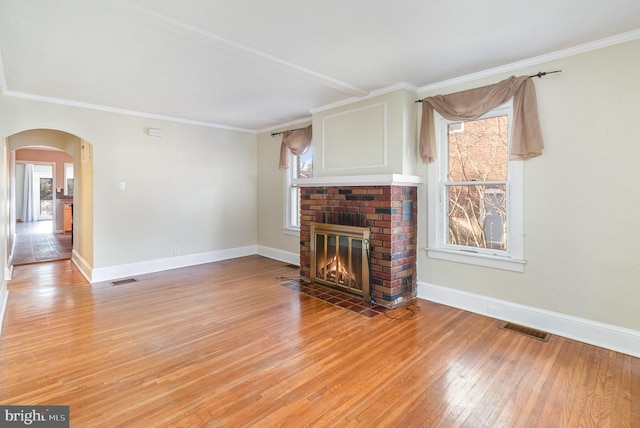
x,y
36,242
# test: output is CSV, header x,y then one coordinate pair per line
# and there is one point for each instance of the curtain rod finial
x,y
544,73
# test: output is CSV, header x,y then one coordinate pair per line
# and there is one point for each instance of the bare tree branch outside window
x,y
476,183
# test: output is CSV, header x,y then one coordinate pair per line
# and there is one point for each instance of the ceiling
x,y
253,65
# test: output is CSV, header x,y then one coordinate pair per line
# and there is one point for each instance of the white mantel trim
x,y
360,180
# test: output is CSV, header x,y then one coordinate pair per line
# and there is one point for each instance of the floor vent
x,y
123,281
531,332
293,266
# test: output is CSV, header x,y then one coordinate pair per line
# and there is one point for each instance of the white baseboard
x,y
82,265
158,265
607,336
283,256
4,297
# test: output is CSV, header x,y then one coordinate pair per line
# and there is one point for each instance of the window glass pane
x,y
46,196
294,207
478,150
299,167
305,164
477,216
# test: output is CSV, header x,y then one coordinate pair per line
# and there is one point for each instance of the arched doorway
x,y
43,202
71,189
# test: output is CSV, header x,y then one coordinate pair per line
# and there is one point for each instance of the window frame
x,y
290,189
292,194
438,247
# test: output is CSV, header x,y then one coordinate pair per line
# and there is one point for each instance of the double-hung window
x,y
299,167
475,193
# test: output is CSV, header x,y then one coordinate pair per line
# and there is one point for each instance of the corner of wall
x,y
4,297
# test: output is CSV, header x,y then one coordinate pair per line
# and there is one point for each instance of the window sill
x,y
494,262
291,231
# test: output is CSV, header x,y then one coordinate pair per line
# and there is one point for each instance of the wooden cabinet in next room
x,y
68,217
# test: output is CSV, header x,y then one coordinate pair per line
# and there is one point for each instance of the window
x,y
475,193
299,167
68,179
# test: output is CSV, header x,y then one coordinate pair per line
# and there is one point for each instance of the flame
x,y
336,271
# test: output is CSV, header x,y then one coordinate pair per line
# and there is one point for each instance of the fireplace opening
x,y
339,258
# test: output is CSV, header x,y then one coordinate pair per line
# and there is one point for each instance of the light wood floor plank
x,y
225,344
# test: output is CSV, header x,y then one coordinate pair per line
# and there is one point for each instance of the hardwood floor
x,y
225,344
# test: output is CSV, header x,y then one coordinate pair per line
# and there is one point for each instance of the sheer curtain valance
x,y
297,141
526,137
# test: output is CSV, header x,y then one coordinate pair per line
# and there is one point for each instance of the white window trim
x,y
288,227
513,259
66,177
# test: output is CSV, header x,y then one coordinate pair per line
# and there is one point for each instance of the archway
x,y
80,154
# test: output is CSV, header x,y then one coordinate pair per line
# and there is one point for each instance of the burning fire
x,y
336,272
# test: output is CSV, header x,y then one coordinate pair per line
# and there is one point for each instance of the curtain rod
x,y
273,134
538,74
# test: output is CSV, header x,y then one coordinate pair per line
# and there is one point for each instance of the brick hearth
x,y
389,212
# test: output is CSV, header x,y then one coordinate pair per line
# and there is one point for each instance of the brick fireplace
x,y
389,212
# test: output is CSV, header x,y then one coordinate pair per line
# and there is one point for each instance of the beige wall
x,y
194,188
581,197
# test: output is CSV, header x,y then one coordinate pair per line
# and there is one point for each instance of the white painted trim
x,y
607,336
477,259
304,121
89,106
82,265
4,298
553,56
159,265
438,246
283,256
375,93
361,180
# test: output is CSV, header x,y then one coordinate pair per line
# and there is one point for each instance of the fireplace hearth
x,y
388,213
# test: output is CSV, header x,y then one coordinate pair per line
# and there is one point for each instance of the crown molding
x,y
97,107
281,126
553,56
375,93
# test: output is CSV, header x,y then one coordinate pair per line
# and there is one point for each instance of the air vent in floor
x,y
293,266
527,331
123,281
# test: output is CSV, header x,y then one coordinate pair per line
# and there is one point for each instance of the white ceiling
x,y
252,64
